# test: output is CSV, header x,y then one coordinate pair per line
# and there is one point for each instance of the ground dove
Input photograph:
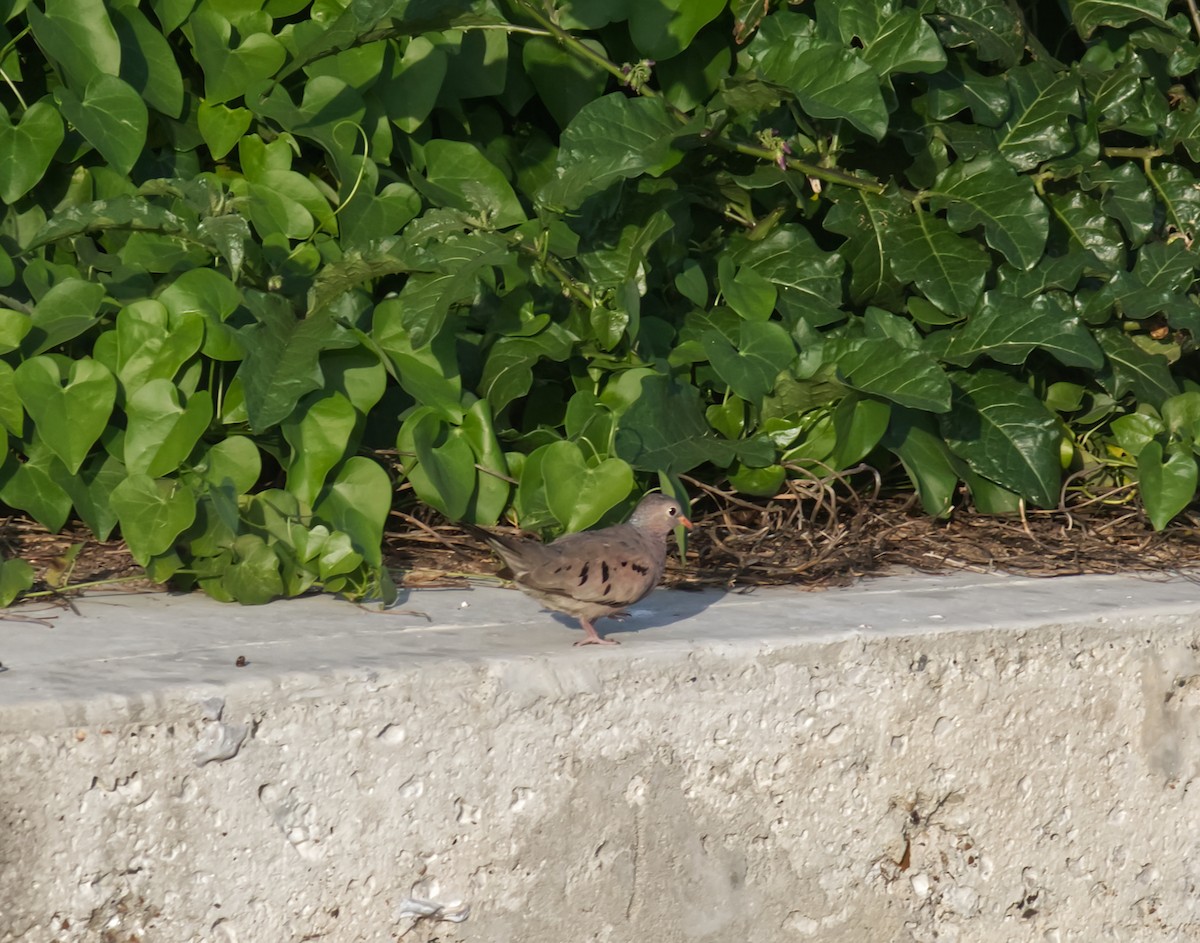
x,y
595,573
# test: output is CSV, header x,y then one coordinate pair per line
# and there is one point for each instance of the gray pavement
x,y
129,646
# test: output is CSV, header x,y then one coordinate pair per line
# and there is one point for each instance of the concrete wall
x,y
1019,778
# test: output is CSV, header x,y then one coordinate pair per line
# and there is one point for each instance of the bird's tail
x,y
503,544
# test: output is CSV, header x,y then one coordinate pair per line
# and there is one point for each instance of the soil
x,y
810,538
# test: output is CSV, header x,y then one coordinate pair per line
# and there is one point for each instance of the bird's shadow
x,y
655,611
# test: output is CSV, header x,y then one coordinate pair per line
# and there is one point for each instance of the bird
x,y
593,573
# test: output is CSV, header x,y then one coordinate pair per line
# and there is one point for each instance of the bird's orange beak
x,y
683,520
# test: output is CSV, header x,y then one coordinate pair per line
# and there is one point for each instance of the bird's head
x,y
659,514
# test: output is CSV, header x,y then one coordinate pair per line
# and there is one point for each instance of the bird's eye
x,y
672,511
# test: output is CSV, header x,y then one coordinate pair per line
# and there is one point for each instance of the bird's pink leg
x,y
593,637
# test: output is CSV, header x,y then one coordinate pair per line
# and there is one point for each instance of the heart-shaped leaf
x,y
78,35
30,486
253,574
577,494
222,127
16,576
438,461
161,433
90,489
764,349
153,513
153,345
228,73
113,118
69,418
357,502
27,148
1167,483
319,433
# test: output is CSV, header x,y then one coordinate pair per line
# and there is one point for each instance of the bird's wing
x,y
615,567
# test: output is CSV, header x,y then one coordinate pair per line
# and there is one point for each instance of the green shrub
x,y
258,254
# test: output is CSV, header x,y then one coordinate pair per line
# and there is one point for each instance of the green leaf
x,y
829,81
859,423
612,138
460,177
1167,483
27,148
577,494
79,37
881,366
508,370
865,219
1039,124
427,298
764,349
112,116
1127,198
411,89
161,433
492,487
988,192
153,513
664,430
429,374
1130,369
16,576
69,417
358,374
234,462
252,576
229,72
565,82
990,25
761,482
808,278
318,434
664,28
222,127
90,490
1134,431
915,439
1007,328
12,415
893,38
147,62
1182,415
620,258
30,487
282,354
1004,433
439,463
64,312
948,268
747,292
357,502
154,345
1084,225
1090,15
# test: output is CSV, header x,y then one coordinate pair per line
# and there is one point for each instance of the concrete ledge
x,y
975,759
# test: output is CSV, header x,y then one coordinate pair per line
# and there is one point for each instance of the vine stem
x,y
580,48
74,587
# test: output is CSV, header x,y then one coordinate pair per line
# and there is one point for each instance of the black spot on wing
x,y
640,569
603,571
583,574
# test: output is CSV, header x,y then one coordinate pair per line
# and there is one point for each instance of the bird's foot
x,y
596,640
